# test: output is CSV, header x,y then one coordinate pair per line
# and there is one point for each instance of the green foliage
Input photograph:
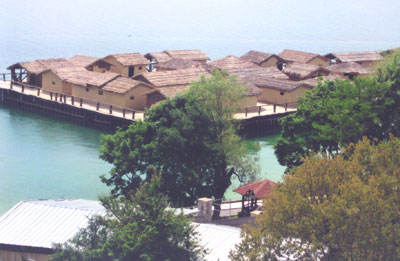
x,y
190,139
339,112
341,208
141,227
334,114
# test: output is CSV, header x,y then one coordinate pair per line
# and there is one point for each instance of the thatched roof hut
x,y
171,78
81,60
39,66
351,68
258,58
358,57
300,57
194,55
176,64
129,59
232,62
303,71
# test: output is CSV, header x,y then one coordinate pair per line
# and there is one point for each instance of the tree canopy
x,y
189,138
140,227
341,208
339,112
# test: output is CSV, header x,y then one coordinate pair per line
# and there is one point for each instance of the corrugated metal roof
x,y
39,223
220,240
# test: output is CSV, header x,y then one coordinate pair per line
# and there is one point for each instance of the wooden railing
x,y
74,101
259,108
5,76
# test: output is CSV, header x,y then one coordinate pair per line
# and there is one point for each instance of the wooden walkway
x,y
262,109
105,109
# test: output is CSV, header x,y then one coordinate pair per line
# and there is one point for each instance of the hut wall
x,y
51,82
6,255
274,96
271,62
319,61
116,67
139,100
113,98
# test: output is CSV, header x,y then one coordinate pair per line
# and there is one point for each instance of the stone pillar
x,y
204,206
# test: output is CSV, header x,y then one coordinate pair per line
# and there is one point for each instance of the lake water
x,y
44,158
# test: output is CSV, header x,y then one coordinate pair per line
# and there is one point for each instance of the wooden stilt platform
x,y
255,121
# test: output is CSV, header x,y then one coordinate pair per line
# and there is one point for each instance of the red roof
x,y
260,188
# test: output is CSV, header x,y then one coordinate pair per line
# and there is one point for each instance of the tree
x,y
190,139
333,114
341,208
141,227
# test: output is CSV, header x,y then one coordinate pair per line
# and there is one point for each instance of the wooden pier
x,y
255,121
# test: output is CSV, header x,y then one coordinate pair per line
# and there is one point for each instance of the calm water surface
x,y
44,158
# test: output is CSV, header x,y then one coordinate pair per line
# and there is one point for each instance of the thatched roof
x,y
259,57
168,92
232,62
83,77
345,57
39,66
129,59
176,64
171,78
278,84
123,84
159,57
194,55
81,60
350,68
298,56
302,71
270,72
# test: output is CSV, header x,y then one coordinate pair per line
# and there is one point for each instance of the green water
x,y
41,157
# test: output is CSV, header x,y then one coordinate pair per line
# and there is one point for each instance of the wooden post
x,y
123,113
285,106
4,77
246,112
98,106
110,109
55,96
22,87
80,102
65,98
274,108
72,100
38,92
11,84
51,96
259,110
133,115
61,97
